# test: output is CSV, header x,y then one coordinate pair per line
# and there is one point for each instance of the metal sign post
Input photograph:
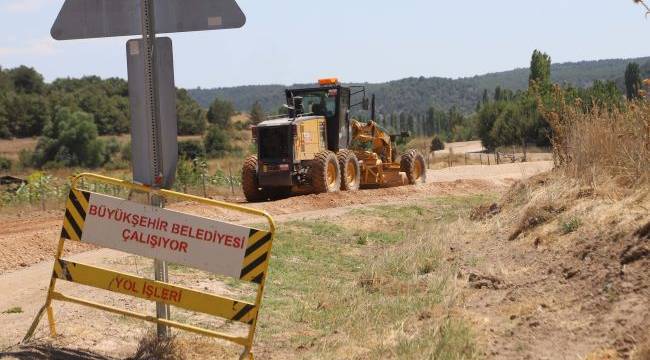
x,y
153,119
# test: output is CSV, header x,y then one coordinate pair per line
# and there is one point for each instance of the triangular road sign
x,y
85,19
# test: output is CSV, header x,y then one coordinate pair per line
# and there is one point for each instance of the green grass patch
x,y
340,291
570,225
379,237
439,209
13,310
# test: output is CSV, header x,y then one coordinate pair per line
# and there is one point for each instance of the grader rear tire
x,y
350,170
325,173
413,165
250,184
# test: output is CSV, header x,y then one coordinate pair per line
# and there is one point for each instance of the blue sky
x,y
290,41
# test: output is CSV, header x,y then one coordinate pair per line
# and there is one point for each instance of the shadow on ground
x,y
48,352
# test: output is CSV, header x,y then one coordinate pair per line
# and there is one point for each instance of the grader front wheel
x,y
413,165
350,170
325,173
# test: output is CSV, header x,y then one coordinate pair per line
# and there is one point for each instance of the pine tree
x,y
540,69
632,81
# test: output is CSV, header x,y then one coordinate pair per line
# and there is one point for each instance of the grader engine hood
x,y
274,142
275,152
285,143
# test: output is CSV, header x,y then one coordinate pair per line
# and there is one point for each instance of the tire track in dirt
x,y
32,238
324,204
29,238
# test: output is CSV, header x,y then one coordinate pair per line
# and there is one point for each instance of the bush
x,y
570,225
112,146
216,142
26,158
125,152
437,144
26,114
220,113
70,140
191,149
191,117
5,164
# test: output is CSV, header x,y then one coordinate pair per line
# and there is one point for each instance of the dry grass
x,y
11,148
643,352
604,143
581,232
534,216
390,296
153,348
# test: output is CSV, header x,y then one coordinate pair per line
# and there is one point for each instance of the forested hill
x,y
418,94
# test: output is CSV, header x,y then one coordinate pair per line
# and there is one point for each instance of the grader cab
x,y
317,148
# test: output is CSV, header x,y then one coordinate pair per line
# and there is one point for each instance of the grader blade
x,y
394,178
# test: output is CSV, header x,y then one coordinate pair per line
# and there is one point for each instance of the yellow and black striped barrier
x,y
231,250
76,208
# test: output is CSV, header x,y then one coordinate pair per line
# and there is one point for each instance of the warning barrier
x,y
206,244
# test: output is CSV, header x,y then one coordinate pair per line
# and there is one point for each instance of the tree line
x,y
417,94
503,117
27,104
70,116
451,125
520,118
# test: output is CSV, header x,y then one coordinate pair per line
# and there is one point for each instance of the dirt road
x,y
500,174
462,147
27,286
29,238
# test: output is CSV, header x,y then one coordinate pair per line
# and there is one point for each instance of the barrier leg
x,y
48,303
50,320
247,354
35,323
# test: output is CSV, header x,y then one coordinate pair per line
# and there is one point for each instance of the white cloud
x,y
40,47
24,6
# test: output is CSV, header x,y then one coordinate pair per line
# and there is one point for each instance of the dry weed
x,y
153,348
642,352
611,142
484,212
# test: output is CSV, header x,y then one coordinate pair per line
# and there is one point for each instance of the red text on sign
x,y
147,290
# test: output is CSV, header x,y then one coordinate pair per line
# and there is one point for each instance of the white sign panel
x,y
167,235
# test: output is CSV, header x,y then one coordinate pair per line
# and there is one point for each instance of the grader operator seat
x,y
319,109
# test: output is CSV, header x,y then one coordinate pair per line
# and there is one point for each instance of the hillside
x,y
418,94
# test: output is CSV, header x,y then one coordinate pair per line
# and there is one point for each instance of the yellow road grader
x,y
318,148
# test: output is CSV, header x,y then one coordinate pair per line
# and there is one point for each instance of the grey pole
x,y
151,88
